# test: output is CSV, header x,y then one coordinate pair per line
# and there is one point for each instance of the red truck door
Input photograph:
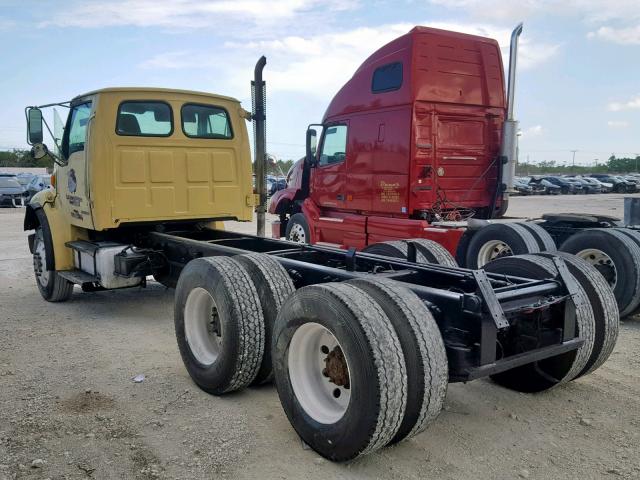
x,y
328,188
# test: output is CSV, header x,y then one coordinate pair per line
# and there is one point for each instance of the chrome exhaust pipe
x,y
509,147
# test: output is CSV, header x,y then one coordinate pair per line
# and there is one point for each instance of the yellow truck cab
x,y
131,157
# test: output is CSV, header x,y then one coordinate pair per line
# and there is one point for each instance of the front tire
x,y
51,285
298,229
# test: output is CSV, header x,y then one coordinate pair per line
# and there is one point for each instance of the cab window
x,y
76,131
387,78
334,146
205,121
144,119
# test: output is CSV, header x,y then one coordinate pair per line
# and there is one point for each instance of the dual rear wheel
x,y
358,365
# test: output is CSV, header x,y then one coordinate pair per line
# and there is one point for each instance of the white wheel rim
x,y
603,263
40,262
297,234
491,250
202,326
322,399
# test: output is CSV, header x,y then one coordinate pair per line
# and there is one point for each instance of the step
x,y
78,276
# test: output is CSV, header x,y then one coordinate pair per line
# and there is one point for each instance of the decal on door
x,y
72,183
389,192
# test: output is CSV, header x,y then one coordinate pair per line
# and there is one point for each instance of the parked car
x,y
277,184
11,192
620,185
605,187
587,187
565,186
24,178
541,186
633,179
522,187
38,183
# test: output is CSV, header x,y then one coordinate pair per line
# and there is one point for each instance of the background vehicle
x,y
522,187
565,185
587,187
371,372
24,178
604,186
619,185
11,192
38,183
277,184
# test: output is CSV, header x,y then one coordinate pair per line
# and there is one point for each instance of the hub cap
x,y
602,262
40,261
297,234
319,373
491,250
202,326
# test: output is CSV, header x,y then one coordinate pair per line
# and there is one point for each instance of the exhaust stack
x,y
509,148
258,98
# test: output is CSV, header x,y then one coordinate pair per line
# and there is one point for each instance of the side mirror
x,y
34,126
313,132
312,143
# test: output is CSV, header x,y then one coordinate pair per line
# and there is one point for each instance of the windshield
x,y
74,136
9,182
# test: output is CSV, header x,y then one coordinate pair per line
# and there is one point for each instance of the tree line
x,y
23,159
612,165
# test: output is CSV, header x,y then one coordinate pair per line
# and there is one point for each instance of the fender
x,y
44,210
282,200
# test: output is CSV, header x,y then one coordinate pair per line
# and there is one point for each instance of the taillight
x,y
53,181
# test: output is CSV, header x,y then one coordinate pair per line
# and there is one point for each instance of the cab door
x,y
328,187
72,180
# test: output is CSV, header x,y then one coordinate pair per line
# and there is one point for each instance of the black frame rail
x,y
474,309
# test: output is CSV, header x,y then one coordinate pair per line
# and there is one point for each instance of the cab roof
x,y
155,90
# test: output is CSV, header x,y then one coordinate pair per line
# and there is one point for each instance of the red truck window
x,y
334,146
387,78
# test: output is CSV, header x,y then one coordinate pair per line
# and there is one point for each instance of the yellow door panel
x,y
198,164
132,166
223,167
161,166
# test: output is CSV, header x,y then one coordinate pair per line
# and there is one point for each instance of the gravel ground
x,y
69,407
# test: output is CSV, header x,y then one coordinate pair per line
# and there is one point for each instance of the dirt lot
x,y
69,409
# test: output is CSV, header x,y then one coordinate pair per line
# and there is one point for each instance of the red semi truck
x,y
420,144
419,135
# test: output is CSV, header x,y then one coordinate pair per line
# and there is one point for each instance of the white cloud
x,y
533,131
622,36
319,65
531,53
624,14
617,124
632,104
591,11
186,13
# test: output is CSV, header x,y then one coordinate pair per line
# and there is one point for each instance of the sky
x,y
578,84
